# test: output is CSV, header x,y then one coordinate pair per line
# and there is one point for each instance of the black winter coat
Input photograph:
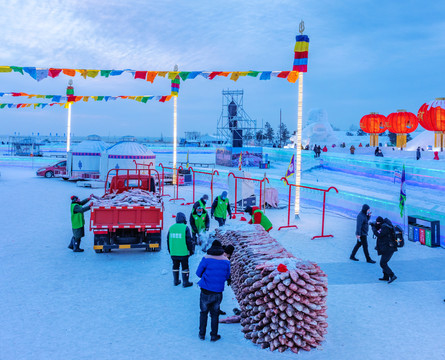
x,y
385,243
362,222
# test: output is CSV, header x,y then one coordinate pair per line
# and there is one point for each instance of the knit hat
x,y
229,249
248,210
224,195
74,198
379,219
205,197
216,248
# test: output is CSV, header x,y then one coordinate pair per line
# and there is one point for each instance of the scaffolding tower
x,y
234,121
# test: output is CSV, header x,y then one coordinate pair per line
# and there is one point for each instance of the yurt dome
x,y
83,161
123,156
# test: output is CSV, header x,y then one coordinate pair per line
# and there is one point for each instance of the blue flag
x,y
402,199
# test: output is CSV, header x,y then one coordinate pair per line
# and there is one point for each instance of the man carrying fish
x,y
78,221
180,247
258,217
220,208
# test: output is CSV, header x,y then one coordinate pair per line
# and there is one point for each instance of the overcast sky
x,y
364,56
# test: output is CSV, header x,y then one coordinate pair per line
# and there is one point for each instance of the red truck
x,y
128,227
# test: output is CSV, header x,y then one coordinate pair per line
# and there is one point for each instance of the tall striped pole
x,y
69,91
298,152
175,133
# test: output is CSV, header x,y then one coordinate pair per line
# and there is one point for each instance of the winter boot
x,y
353,258
215,338
385,277
176,280
185,279
70,246
76,246
370,261
391,279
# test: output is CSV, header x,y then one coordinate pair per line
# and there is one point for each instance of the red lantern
x,y
431,116
373,124
401,123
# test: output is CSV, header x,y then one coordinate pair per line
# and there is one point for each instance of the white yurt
x,y
123,155
83,161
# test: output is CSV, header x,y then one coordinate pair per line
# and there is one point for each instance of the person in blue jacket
x,y
214,271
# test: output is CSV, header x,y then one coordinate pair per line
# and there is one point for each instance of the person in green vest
x,y
201,203
258,217
200,222
220,208
78,221
180,247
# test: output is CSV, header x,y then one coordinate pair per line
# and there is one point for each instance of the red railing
x,y
261,181
211,183
324,206
177,180
149,169
129,174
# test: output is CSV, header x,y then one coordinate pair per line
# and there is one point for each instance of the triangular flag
x,y
291,168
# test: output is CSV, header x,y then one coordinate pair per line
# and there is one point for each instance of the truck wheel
x,y
49,174
157,240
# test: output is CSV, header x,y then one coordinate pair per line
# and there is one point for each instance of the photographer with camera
x,y
361,232
386,246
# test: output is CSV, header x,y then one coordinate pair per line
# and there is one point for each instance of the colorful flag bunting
x,y
42,73
71,98
175,86
240,161
301,53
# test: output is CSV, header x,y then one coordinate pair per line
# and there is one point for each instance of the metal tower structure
x,y
234,121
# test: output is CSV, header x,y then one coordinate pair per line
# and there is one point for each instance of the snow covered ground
x,y
56,304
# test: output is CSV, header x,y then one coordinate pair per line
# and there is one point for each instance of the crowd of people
x,y
214,268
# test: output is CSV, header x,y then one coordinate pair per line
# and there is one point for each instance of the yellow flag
x,y
67,105
235,76
243,73
92,73
82,72
40,96
172,74
5,69
162,73
85,98
139,98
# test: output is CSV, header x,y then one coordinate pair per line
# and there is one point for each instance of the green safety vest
x,y
265,222
200,221
77,219
221,208
202,205
177,240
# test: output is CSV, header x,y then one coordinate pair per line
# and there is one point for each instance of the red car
x,y
58,170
